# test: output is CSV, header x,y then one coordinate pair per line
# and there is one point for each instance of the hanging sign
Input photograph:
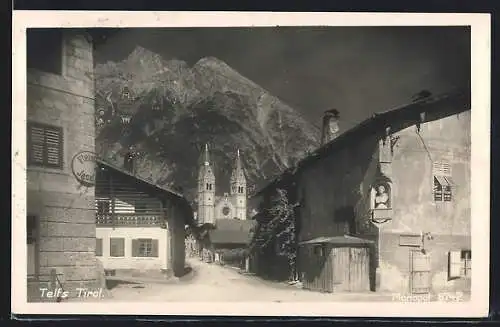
x,y
411,240
83,166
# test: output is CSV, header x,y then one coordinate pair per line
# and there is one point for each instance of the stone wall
x,y
64,208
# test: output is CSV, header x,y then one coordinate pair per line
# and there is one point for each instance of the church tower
x,y
206,190
239,188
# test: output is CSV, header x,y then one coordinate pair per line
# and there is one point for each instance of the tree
x,y
276,230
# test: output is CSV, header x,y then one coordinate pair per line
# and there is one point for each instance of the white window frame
x,y
459,265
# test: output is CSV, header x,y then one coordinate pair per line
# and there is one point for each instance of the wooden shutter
x,y
135,248
98,247
454,264
116,247
154,248
438,190
45,145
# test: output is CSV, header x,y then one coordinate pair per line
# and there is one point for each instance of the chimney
x,y
330,126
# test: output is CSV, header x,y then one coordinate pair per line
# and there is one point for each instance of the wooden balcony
x,y
128,220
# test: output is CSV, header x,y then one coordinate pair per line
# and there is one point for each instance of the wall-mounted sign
x,y
412,240
83,166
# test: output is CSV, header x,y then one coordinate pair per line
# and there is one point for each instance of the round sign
x,y
84,167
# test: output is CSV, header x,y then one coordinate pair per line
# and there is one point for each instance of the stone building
x,y
400,180
212,207
60,124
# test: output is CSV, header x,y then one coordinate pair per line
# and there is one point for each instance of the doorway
x,y
420,272
351,269
32,246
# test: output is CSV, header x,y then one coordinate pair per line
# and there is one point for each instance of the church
x,y
211,207
227,213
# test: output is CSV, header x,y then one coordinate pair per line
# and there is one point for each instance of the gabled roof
x,y
149,183
183,203
232,231
398,118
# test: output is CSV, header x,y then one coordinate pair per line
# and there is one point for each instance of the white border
x,y
480,164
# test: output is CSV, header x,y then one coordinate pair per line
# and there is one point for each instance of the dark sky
x,y
358,70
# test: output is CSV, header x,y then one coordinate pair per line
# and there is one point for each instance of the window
x,y
466,256
145,248
116,247
459,264
31,229
98,247
241,189
442,182
209,186
45,49
45,146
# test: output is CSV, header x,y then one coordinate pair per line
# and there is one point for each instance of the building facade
x,y
212,207
401,179
60,124
140,226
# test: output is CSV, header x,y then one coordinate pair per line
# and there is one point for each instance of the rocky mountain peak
x,y
180,108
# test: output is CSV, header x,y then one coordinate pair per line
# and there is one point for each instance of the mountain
x,y
175,109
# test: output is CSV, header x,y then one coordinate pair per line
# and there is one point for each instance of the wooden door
x,y
359,270
340,269
420,272
351,269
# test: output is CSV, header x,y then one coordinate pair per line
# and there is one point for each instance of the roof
x,y
232,231
338,240
143,180
398,118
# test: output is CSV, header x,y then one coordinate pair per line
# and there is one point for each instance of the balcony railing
x,y
128,220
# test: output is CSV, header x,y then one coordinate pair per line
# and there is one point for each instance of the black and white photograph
x,y
264,165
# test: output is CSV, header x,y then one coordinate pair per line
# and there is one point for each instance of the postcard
x,y
251,164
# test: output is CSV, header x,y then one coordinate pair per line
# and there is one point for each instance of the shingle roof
x,y
232,231
139,178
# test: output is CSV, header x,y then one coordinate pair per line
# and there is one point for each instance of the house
x,y
400,179
140,225
60,222
227,238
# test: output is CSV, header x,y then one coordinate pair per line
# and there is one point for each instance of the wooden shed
x,y
337,264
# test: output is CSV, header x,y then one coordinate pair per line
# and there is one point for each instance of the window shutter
x,y
154,248
54,145
438,190
117,247
36,140
45,144
135,248
454,264
98,247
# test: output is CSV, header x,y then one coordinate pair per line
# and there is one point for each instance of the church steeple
x,y
206,156
206,190
239,186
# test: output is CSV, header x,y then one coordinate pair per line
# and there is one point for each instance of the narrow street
x,y
211,282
